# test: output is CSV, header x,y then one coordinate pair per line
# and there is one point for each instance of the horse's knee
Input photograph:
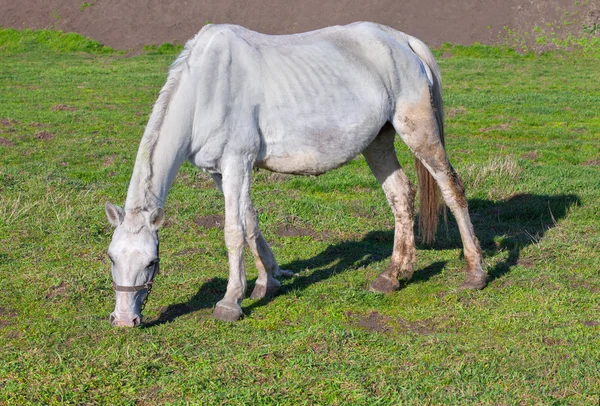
x,y
234,237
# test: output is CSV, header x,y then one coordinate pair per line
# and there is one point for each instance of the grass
x,y
521,130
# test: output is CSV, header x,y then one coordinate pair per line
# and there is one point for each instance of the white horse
x,y
301,104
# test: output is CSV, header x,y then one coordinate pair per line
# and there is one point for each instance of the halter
x,y
146,286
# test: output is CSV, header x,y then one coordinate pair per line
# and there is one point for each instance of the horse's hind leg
x,y
416,124
382,160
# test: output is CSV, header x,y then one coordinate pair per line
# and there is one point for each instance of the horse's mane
x,y
154,126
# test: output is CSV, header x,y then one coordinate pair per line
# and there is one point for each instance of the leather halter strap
x,y
120,288
145,286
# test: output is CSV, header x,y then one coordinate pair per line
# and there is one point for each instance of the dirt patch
x,y
5,142
110,160
420,327
14,334
211,221
551,342
498,127
592,162
44,135
58,291
531,156
526,262
289,230
455,111
319,348
7,122
5,316
190,251
373,322
297,228
149,394
62,107
576,283
5,312
359,209
591,323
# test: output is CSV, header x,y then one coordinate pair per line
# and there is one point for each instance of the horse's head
x,y
134,256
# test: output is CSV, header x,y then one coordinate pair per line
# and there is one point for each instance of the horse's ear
x,y
156,218
114,213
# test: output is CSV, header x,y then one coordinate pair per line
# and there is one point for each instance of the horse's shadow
x,y
507,225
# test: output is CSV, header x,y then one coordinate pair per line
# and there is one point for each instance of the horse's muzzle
x,y
125,320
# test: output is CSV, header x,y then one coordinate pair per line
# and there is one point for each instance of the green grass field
x,y
522,130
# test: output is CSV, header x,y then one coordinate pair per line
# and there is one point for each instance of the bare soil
x,y
592,162
132,24
289,230
60,290
5,142
44,135
530,156
62,107
211,221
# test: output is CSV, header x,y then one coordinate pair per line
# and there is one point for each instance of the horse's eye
x,y
111,260
152,264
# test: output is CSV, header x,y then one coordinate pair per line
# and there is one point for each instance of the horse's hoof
x,y
406,274
262,291
384,284
475,281
227,311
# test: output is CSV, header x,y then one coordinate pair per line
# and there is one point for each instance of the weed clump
x,y
26,41
163,49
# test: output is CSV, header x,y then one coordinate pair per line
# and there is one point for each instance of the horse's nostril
x,y
125,321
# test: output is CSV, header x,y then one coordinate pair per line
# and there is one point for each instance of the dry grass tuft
x,y
501,172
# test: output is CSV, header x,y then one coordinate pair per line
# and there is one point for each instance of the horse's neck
x,y
166,141
157,162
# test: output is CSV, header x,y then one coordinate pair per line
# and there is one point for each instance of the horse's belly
x,y
320,131
301,163
314,153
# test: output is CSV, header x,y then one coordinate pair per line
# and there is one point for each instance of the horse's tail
x,y
429,190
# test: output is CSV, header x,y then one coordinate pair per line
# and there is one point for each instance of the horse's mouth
x,y
133,321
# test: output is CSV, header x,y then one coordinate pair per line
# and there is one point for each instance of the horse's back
x,y
317,98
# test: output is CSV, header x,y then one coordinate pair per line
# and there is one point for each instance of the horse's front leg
x,y
236,191
266,285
